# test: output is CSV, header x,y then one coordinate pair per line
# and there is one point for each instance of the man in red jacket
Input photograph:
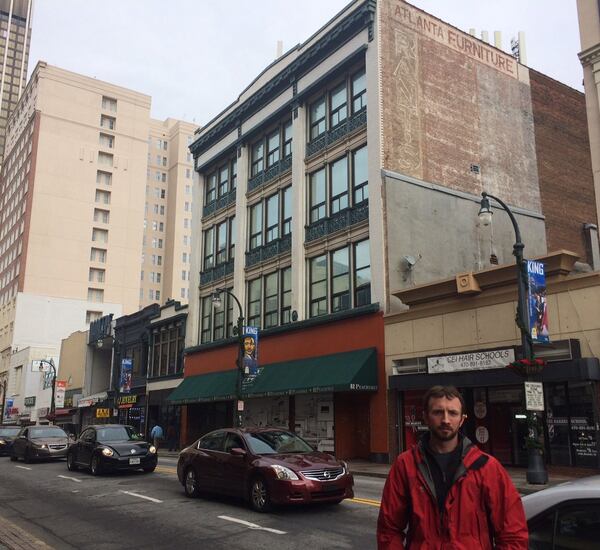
x,y
446,494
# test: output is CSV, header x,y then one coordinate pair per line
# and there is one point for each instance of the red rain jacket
x,y
483,510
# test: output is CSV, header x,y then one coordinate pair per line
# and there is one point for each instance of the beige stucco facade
x,y
442,320
168,213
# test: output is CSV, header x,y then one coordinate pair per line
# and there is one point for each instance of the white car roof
x,y
584,488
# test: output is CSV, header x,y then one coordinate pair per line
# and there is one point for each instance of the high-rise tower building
x,y
15,35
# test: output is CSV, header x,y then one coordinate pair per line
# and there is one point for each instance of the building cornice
x,y
590,56
347,28
486,287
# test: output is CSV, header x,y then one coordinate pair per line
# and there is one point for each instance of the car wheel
x,y
149,469
71,466
259,495
95,467
190,483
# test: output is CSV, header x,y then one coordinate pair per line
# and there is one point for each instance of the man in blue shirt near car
x,y
156,434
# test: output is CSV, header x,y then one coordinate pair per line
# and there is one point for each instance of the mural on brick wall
x,y
456,111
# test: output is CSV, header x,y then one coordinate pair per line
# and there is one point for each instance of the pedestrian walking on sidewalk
x,y
157,435
446,493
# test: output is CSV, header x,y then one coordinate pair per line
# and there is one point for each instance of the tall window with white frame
x,y
256,225
342,184
271,300
340,279
219,244
206,321
272,218
346,97
276,221
272,147
286,295
254,302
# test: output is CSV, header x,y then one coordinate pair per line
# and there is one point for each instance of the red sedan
x,y
264,466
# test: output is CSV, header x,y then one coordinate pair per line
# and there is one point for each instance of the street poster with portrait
x,y
125,378
250,349
537,305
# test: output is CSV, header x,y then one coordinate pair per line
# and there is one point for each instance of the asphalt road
x,y
69,510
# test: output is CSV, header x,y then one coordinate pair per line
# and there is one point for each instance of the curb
x,y
13,537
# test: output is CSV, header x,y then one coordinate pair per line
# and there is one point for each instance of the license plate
x,y
330,488
134,461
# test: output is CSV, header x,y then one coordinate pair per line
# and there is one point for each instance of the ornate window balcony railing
x,y
270,173
337,133
216,273
339,221
269,250
219,204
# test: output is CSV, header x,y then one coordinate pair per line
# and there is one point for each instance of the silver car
x,y
40,442
565,516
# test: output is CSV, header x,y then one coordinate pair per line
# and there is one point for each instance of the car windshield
x,y
276,442
9,432
117,433
40,433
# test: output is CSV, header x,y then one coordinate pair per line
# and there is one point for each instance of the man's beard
x,y
444,435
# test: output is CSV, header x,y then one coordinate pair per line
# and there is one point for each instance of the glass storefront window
x,y
583,425
557,422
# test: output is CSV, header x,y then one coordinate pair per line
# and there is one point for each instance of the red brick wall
x,y
564,163
345,335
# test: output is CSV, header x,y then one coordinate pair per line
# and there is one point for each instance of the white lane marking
x,y
23,467
71,478
141,496
253,525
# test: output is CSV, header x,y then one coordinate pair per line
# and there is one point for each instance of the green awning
x,y
347,371
213,386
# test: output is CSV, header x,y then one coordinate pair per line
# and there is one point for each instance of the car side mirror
x,y
236,451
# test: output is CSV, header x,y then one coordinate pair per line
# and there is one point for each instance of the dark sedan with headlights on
x,y
111,447
265,466
40,442
7,437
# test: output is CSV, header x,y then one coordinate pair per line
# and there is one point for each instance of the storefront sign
x,y
126,401
479,360
534,396
29,401
125,379
537,306
59,393
102,413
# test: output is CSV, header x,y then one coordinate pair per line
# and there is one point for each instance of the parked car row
x,y
100,448
264,466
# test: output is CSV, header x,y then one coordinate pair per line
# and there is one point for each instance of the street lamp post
x,y
4,386
239,405
536,469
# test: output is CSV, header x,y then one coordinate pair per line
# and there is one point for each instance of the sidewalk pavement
x,y
556,475
15,538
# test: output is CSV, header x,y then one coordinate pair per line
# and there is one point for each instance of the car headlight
x,y
2,442
284,473
345,466
152,449
107,452
44,446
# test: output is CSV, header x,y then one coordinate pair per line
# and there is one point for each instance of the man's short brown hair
x,y
449,392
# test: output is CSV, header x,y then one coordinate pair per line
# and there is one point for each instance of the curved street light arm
x,y
510,215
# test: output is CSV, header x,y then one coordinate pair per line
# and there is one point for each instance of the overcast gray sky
x,y
194,57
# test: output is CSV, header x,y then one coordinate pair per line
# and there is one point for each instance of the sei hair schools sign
x,y
478,360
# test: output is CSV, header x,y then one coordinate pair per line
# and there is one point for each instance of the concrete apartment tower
x,y
168,213
15,35
72,211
